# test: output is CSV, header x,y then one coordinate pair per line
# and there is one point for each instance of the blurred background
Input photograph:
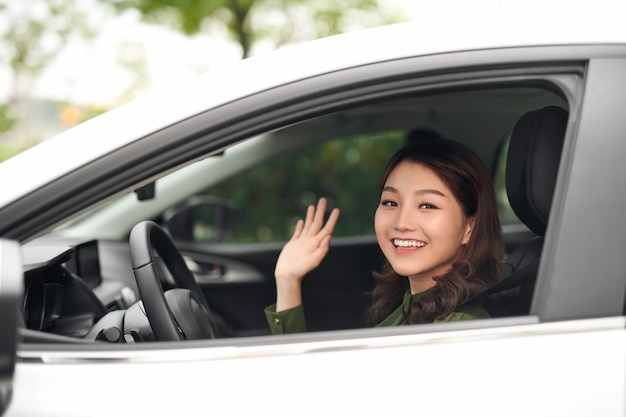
x,y
65,61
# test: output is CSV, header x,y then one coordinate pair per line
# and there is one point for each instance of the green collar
x,y
415,298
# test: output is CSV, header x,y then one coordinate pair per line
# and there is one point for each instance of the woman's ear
x,y
468,230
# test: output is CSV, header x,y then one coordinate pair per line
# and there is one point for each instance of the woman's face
x,y
419,224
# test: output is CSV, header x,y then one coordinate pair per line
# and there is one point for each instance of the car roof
x,y
184,98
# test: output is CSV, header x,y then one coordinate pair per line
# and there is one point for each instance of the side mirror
x,y
11,285
200,219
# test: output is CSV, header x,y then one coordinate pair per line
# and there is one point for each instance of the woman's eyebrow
x,y
389,188
417,192
430,191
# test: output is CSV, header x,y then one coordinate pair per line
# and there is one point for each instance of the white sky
x,y
90,73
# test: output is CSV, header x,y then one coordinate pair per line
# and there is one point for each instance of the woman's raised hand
x,y
303,253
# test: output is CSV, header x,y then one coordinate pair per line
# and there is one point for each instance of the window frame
x,y
569,286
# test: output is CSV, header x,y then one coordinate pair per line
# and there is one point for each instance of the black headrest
x,y
532,164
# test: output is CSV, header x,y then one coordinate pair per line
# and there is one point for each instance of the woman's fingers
x,y
325,234
298,231
313,224
318,220
315,218
308,219
309,244
331,222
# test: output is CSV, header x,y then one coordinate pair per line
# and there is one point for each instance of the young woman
x,y
438,227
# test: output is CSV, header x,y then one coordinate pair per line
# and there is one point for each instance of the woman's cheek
x,y
379,225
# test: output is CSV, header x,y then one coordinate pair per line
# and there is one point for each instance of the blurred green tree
x,y
7,118
250,21
35,33
32,34
270,197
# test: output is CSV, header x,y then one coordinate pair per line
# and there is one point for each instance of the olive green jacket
x,y
293,320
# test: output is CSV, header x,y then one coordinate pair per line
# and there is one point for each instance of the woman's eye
x,y
427,206
388,203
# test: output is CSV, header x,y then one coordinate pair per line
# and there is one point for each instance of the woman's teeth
x,y
408,243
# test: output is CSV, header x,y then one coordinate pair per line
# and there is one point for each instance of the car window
x,y
505,211
270,197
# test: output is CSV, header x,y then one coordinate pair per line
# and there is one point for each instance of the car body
x,y
334,108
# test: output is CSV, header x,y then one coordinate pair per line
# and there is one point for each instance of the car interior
x,y
194,259
533,160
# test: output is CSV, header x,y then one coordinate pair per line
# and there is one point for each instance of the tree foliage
x,y
34,34
249,21
270,197
7,118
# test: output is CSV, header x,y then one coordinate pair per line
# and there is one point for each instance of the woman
x,y
436,224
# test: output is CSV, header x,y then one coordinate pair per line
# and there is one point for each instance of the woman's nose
x,y
405,220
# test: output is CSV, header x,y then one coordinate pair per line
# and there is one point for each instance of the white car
x,y
222,165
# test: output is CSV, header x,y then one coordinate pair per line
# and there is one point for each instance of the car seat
x,y
532,165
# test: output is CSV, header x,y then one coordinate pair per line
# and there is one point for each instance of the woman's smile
x,y
407,244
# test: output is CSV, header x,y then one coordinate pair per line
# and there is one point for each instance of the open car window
x,y
270,197
257,189
346,161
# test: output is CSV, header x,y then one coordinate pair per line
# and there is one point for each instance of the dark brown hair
x,y
478,263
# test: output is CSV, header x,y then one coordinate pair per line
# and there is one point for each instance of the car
x,y
115,231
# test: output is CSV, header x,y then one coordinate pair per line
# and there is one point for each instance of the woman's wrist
x,y
288,294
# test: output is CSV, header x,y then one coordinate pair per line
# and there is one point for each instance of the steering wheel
x,y
177,314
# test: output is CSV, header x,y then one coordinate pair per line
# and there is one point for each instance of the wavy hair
x,y
478,263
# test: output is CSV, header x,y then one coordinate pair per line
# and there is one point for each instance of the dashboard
x,y
65,291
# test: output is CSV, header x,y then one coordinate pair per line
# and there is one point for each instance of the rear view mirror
x,y
11,284
200,219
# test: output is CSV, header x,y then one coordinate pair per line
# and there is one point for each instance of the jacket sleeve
x,y
286,321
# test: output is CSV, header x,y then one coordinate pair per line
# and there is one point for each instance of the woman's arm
x,y
303,253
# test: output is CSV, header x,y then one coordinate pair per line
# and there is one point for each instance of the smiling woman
x,y
437,225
